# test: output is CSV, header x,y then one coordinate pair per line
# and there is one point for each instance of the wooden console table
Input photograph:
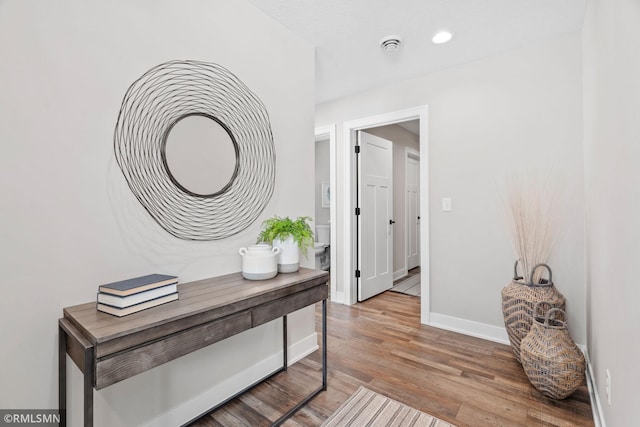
x,y
109,349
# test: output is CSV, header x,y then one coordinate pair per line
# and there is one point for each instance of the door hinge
x,y
357,148
357,273
357,211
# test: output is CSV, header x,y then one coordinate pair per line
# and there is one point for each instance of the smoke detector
x,y
390,43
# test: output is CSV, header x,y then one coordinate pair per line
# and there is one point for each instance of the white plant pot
x,y
289,256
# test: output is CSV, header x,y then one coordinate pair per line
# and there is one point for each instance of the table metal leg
x,y
284,342
323,387
88,387
81,352
324,344
62,376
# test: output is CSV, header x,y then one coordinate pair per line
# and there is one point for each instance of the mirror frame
x,y
152,105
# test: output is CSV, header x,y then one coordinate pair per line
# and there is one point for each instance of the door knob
x,y
391,222
418,218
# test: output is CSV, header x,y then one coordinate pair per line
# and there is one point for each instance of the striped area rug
x,y
368,408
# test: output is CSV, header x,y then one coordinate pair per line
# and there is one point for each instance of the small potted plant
x,y
292,237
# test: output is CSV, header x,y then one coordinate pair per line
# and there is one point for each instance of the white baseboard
x,y
596,406
237,382
338,297
301,349
469,327
400,273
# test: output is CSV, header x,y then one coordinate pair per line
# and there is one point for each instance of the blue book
x,y
137,284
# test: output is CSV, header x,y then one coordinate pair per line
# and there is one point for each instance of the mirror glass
x,y
200,155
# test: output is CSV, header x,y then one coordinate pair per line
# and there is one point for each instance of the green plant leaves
x,y
281,228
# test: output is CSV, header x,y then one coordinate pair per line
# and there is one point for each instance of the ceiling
x,y
346,34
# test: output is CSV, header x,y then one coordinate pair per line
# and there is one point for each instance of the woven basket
x,y
552,361
518,300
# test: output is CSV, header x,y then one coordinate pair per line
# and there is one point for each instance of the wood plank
x,y
127,364
276,309
544,416
199,302
485,417
218,292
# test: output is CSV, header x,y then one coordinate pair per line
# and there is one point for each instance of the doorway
x,y
328,202
349,236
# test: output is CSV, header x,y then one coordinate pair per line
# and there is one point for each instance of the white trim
x,y
596,406
400,273
301,349
330,131
425,265
409,153
221,391
470,327
346,187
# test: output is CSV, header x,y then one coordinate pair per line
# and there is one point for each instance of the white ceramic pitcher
x,y
259,262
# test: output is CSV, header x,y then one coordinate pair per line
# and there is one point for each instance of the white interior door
x,y
413,209
376,207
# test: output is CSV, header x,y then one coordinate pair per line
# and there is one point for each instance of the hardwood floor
x,y
380,344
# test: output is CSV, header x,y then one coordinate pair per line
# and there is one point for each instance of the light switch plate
x,y
446,204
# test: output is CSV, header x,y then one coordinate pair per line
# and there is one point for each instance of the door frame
x,y
322,132
409,153
348,257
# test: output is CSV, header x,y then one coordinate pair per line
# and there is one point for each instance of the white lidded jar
x,y
259,262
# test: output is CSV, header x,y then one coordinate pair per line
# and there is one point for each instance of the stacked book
x,y
137,294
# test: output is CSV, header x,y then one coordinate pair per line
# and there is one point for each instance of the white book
x,y
138,307
140,297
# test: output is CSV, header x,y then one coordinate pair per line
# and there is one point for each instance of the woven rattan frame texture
x,y
151,107
552,361
519,300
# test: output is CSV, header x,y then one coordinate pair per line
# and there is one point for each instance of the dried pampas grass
x,y
530,200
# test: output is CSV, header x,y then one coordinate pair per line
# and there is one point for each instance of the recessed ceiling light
x,y
390,43
442,37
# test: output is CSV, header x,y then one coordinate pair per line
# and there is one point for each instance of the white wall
x,y
69,221
487,119
401,139
611,37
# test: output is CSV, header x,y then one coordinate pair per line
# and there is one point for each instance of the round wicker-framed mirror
x,y
179,92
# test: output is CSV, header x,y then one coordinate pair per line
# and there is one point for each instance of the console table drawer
x,y
128,363
279,308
